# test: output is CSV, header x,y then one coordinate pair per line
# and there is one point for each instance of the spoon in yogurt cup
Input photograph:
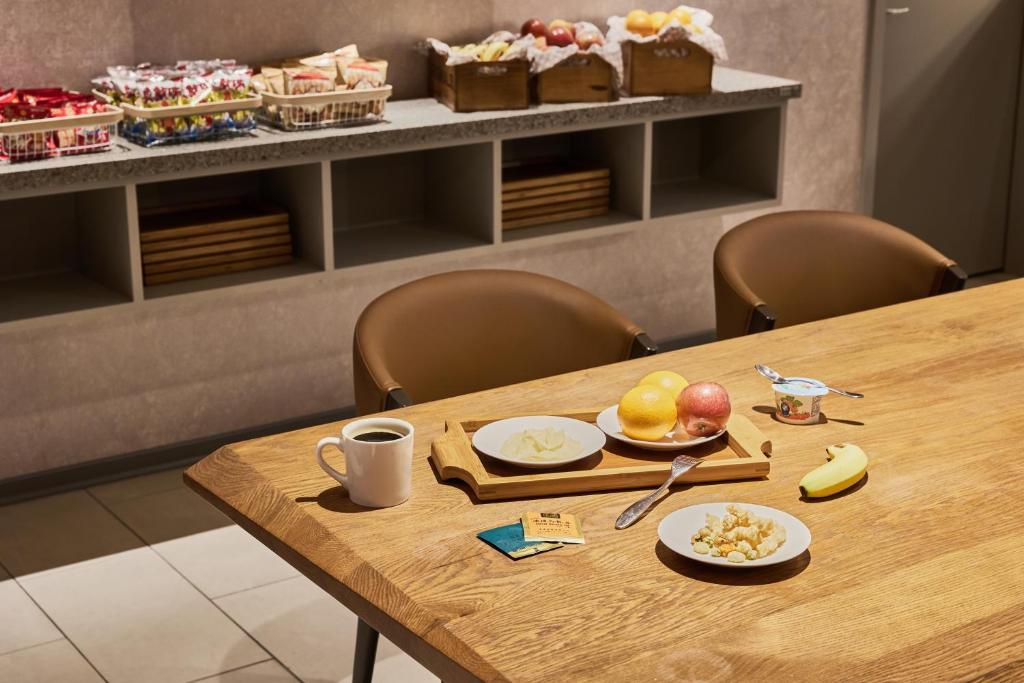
x,y
776,378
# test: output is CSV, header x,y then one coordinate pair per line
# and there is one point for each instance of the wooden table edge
x,y
415,645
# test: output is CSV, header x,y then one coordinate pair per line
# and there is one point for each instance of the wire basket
x,y
151,126
58,137
325,110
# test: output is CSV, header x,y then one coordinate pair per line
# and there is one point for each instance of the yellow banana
x,y
493,50
847,464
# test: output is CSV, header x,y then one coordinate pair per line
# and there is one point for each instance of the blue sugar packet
x,y
509,540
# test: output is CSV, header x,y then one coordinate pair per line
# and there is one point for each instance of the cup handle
x,y
323,443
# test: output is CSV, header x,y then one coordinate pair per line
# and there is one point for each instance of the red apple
x,y
535,27
703,408
559,36
562,23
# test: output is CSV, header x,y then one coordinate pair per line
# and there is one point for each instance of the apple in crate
x,y
560,37
534,27
703,408
562,23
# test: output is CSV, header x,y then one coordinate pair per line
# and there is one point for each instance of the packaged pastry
x,y
360,74
307,79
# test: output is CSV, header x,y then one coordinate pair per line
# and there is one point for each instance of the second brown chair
x,y
798,266
470,330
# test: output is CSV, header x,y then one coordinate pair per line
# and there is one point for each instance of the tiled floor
x,y
141,580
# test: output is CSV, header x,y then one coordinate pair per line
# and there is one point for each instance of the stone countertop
x,y
409,123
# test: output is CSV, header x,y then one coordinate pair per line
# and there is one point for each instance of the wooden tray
x,y
674,68
741,453
549,192
212,238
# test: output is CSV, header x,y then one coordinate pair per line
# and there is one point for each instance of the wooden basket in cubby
x,y
480,86
666,68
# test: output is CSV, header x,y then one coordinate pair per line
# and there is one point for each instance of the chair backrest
x,y
470,330
810,265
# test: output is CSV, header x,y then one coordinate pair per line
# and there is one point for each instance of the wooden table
x,y
917,574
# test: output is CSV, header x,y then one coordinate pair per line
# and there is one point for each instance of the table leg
x,y
366,653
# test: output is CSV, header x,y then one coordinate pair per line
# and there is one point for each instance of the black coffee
x,y
377,436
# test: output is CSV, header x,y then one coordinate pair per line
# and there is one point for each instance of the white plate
x,y
490,438
677,528
608,421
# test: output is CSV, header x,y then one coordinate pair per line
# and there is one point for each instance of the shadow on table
x,y
732,577
334,499
845,492
823,419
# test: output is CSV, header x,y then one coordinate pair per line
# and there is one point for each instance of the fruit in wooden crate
x,y
647,413
562,23
847,464
639,21
703,408
484,52
560,37
585,40
534,27
682,15
493,51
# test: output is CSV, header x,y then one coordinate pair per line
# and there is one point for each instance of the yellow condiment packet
x,y
552,526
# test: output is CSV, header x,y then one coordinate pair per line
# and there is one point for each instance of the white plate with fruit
x,y
665,413
734,535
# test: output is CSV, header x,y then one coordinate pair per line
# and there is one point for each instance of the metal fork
x,y
682,463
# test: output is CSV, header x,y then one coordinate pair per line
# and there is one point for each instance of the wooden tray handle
x,y
444,452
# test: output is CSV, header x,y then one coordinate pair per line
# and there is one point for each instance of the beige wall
x,y
71,392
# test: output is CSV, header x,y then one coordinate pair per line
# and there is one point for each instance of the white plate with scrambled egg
x,y
734,534
539,440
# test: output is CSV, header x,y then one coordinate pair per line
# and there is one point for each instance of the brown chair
x,y
470,330
797,266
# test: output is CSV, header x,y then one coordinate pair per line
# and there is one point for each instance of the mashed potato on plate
x,y
541,445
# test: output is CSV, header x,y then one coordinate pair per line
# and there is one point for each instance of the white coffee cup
x,y
378,473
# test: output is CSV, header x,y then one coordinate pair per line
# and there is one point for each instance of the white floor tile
x,y
224,561
168,515
312,633
57,531
22,624
264,672
137,620
56,661
135,487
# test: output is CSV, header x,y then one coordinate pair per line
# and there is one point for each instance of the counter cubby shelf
x,y
426,184
410,204
64,252
296,189
723,161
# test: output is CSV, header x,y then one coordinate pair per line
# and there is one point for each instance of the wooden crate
x,y
579,78
656,68
740,453
541,193
213,238
480,86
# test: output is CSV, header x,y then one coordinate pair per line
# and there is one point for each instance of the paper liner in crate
x,y
543,59
698,31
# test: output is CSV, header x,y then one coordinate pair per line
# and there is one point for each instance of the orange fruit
x,y
671,382
639,21
658,19
681,15
647,413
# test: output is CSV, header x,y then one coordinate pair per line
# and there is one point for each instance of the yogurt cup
x,y
798,402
